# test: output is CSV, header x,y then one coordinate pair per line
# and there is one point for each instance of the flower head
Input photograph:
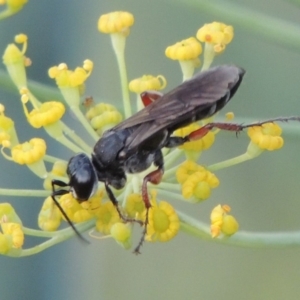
x,y
122,234
216,33
196,181
116,22
107,216
103,116
163,221
68,78
267,136
147,82
47,114
135,206
222,222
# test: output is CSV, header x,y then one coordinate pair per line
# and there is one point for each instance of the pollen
x,y
29,152
116,22
47,114
267,136
147,82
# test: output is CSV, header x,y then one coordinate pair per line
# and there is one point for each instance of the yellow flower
x,y
116,22
147,82
216,33
163,221
135,206
187,49
67,78
267,136
14,5
15,231
103,117
196,181
29,152
49,217
221,222
8,214
107,216
47,114
73,209
7,129
122,234
15,61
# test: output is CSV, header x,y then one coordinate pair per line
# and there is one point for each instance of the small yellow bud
x,y
114,22
188,49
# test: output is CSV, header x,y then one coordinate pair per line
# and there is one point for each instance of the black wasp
x,y
137,142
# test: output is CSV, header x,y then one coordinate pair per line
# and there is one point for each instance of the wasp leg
x,y
60,193
114,201
154,177
201,132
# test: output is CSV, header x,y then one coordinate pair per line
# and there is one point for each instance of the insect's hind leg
x,y
201,132
154,177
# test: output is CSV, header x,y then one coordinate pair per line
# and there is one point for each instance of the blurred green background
x,y
264,193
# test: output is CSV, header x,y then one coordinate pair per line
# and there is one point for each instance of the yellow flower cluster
x,y
267,136
196,182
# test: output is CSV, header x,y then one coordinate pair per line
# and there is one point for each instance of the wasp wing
x,y
195,99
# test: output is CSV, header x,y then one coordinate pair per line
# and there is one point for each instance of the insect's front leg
x,y
62,192
154,177
114,201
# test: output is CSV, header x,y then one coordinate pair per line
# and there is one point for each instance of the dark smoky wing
x,y
199,94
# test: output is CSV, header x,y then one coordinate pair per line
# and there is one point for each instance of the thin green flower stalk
x,y
184,178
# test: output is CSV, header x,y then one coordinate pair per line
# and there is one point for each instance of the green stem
x,y
118,42
58,237
84,122
24,193
242,238
229,162
42,91
276,30
52,159
73,136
